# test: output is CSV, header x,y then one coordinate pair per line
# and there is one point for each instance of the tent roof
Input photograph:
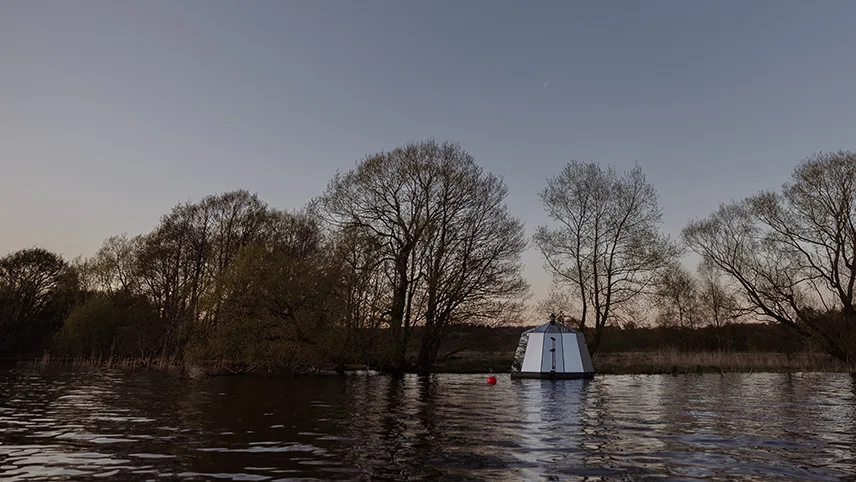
x,y
551,327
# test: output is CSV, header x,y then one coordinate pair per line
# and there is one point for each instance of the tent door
x,y
553,359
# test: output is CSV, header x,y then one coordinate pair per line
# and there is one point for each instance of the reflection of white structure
x,y
552,350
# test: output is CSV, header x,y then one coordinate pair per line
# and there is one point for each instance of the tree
x,y
606,244
108,325
386,196
113,315
365,291
676,298
114,269
471,252
716,301
283,302
181,264
793,252
37,288
557,301
449,251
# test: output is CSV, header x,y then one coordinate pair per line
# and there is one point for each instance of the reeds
x,y
675,361
654,362
107,362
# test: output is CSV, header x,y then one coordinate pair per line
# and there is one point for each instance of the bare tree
x,y
676,298
606,243
447,245
472,249
365,290
113,269
557,301
793,253
387,196
717,302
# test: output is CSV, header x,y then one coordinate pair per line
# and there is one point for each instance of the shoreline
x,y
618,363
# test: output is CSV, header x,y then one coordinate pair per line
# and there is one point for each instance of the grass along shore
x,y
668,361
673,361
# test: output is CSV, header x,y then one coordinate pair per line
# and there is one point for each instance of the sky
x,y
113,112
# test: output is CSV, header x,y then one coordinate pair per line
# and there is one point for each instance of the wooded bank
x,y
399,259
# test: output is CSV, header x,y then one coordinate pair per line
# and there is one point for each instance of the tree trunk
x,y
399,305
427,353
594,344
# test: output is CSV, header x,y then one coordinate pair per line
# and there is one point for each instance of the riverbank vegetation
x,y
417,236
412,262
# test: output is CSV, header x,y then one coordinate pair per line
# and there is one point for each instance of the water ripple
x,y
143,426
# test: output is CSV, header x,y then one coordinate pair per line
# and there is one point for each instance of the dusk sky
x,y
112,112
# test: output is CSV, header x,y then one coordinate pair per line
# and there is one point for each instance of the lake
x,y
80,425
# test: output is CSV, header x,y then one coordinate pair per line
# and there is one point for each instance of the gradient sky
x,y
112,112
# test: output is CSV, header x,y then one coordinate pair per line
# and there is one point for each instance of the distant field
x,y
754,348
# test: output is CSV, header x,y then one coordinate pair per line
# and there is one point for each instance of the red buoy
x,y
491,380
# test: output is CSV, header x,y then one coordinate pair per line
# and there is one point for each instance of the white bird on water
x,y
545,83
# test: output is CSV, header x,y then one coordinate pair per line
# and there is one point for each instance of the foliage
x,y
105,326
281,302
416,247
36,289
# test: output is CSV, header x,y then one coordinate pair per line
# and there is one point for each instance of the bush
x,y
105,326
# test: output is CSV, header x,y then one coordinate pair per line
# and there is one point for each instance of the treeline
x,y
483,342
732,337
419,235
786,256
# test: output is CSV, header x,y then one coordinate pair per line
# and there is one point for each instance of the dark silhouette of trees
x,y
36,289
449,251
676,296
471,253
415,247
605,243
386,196
281,301
793,252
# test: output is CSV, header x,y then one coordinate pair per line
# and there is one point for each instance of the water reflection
x,y
152,426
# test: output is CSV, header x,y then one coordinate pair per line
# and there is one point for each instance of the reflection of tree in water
x,y
821,412
426,443
439,427
850,426
292,423
434,427
396,436
708,426
374,427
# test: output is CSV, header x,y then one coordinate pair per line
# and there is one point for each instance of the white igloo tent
x,y
552,350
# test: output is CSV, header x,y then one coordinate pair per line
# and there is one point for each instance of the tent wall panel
x,y
584,353
573,362
532,361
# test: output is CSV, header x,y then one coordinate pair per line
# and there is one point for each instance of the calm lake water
x,y
153,426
